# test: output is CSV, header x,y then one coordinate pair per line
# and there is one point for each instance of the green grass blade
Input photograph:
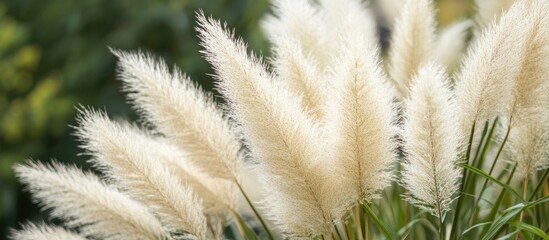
x,y
502,220
508,236
379,224
540,183
489,177
455,222
479,164
508,214
255,212
248,232
529,228
496,205
474,227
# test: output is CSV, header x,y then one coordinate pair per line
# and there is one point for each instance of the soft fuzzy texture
x,y
31,231
489,11
86,203
529,111
360,125
528,145
300,21
183,112
281,137
451,43
485,84
431,143
133,166
412,42
531,94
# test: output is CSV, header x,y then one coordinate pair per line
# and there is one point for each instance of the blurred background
x,y
54,55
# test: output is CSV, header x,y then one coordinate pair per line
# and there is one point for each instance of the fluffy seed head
x,y
132,165
33,231
431,142
182,112
86,203
281,137
412,41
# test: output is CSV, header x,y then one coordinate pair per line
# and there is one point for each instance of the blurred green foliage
x,y
54,55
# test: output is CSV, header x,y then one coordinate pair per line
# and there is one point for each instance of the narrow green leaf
x,y
502,220
527,227
486,175
473,227
455,222
255,211
248,232
379,224
540,183
508,236
508,214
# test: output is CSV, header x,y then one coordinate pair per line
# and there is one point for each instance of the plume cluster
x,y
324,123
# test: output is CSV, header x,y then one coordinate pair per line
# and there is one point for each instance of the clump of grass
x,y
342,145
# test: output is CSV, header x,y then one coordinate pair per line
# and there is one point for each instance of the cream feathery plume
x,y
42,231
528,143
297,45
133,166
86,203
431,142
300,74
451,43
412,40
182,112
531,93
485,84
491,10
300,20
529,113
360,123
345,19
218,195
285,142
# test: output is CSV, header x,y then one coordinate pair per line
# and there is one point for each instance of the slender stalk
x,y
490,172
242,226
349,226
495,207
524,191
440,225
482,141
366,225
255,211
455,224
358,222
345,228
338,232
538,186
379,224
240,230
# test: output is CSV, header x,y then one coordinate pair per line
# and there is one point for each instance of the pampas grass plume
x,y
431,143
41,231
133,166
360,123
86,203
486,81
281,137
183,112
412,41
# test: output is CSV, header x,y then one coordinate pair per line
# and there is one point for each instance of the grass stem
x,y
255,211
524,192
